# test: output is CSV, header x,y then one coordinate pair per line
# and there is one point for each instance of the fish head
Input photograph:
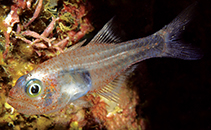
x,y
34,95
41,93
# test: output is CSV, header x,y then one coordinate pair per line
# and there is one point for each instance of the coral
x,y
126,118
19,23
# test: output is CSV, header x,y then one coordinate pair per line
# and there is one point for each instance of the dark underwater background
x,y
174,94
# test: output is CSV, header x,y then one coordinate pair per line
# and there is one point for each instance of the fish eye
x,y
33,87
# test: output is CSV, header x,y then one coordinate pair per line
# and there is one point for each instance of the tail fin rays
x,y
183,51
171,34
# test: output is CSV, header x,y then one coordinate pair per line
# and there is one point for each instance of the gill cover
x,y
74,83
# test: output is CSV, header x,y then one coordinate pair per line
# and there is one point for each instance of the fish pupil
x,y
35,89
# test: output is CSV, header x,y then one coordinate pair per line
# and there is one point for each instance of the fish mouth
x,y
22,106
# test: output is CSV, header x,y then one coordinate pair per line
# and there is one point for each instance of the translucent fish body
x,y
70,75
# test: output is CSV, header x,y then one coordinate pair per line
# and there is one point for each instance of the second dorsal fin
x,y
108,34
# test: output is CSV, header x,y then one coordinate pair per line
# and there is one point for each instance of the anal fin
x,y
112,90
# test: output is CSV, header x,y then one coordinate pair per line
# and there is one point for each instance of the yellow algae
x,y
68,20
2,43
74,126
9,118
2,101
8,106
50,7
17,68
1,59
71,4
64,28
17,127
3,9
42,123
26,50
52,3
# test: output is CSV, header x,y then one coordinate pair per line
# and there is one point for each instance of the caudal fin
x,y
171,33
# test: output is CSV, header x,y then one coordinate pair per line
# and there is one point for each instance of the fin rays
x,y
108,34
111,91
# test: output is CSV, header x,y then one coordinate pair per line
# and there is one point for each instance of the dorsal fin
x,y
108,34
75,46
111,91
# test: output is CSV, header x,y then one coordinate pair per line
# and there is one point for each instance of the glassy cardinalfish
x,y
97,67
